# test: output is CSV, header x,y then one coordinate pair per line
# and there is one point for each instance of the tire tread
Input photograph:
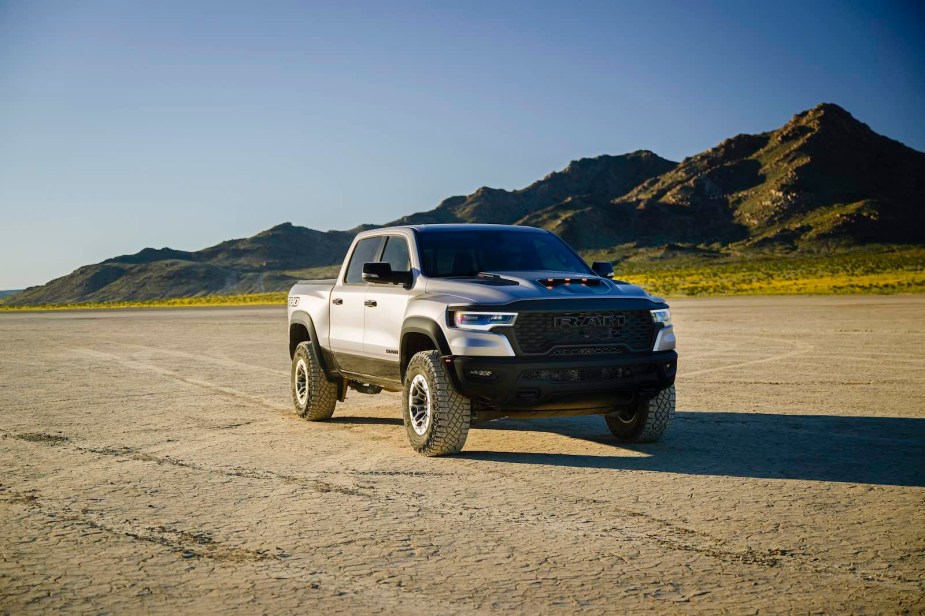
x,y
322,393
451,412
657,413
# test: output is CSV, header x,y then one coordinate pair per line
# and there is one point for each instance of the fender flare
x,y
302,318
428,327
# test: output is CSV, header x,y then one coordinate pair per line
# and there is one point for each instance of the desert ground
x,y
150,461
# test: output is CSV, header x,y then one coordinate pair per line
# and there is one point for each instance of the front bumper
x,y
515,383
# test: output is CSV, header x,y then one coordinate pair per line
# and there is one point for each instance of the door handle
x,y
371,303
337,301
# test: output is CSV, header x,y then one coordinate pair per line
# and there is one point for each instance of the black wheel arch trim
x,y
303,318
427,327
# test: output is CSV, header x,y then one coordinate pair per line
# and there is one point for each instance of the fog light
x,y
480,374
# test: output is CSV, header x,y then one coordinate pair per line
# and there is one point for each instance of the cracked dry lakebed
x,y
150,461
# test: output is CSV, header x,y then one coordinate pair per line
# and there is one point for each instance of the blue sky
x,y
176,123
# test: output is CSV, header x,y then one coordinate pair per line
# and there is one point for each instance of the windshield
x,y
466,253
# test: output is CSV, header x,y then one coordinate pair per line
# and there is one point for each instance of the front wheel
x,y
645,421
436,416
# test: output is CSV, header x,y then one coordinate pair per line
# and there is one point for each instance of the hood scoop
x,y
582,285
551,283
495,280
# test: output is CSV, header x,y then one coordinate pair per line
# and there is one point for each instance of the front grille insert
x,y
586,375
585,351
564,333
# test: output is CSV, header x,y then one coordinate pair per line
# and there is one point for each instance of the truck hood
x,y
500,287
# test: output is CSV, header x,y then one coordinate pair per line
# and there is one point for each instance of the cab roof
x,y
472,227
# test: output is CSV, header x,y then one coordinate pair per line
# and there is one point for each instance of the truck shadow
x,y
874,450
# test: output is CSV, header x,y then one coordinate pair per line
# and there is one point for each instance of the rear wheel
x,y
645,421
313,395
436,416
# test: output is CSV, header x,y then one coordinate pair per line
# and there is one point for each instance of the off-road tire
x,y
320,395
450,414
649,419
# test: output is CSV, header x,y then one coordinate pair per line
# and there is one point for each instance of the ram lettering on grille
x,y
620,331
597,326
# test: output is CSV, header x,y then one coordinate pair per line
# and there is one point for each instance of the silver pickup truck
x,y
477,322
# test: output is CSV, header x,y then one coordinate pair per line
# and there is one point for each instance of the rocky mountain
x,y
268,261
598,179
822,181
824,178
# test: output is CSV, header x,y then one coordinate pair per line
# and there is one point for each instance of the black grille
x,y
570,333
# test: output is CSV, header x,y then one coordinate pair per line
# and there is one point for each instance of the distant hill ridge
x,y
822,181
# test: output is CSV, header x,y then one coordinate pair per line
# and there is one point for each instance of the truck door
x,y
347,309
385,310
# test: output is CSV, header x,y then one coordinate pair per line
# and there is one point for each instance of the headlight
x,y
483,321
662,316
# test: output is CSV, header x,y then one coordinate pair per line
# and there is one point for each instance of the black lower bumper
x,y
514,383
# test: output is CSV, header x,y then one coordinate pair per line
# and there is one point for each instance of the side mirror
x,y
381,273
604,269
